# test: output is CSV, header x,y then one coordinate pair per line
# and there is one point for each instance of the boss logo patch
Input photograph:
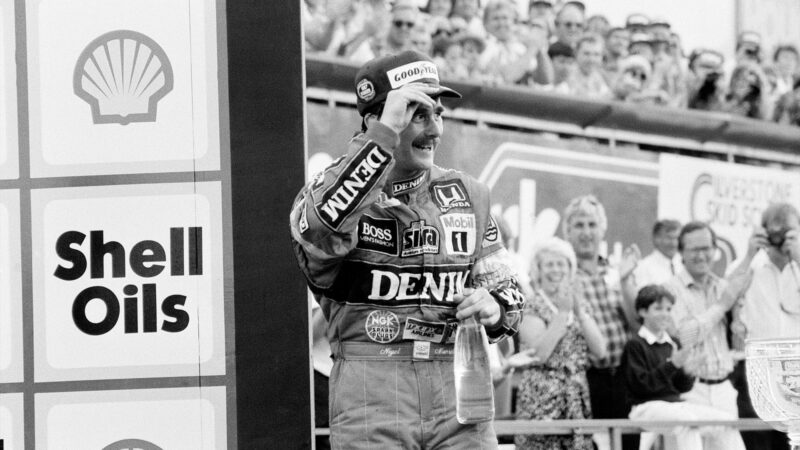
x,y
378,235
382,326
419,239
450,194
459,233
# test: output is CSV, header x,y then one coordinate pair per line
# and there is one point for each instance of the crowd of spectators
x,y
659,337
560,47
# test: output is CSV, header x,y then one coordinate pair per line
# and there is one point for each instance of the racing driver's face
x,y
418,141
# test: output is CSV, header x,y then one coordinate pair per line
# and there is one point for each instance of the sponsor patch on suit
x,y
449,194
492,235
419,239
459,233
378,235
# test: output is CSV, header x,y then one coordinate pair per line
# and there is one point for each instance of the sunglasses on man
x,y
403,24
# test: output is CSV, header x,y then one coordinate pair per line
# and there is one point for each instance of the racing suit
x,y
384,258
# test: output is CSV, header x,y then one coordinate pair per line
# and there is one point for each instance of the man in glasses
x,y
397,250
700,320
771,305
570,22
405,17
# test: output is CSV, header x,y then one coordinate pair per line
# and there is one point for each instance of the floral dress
x,y
558,388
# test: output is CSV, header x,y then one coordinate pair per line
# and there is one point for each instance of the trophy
x,y
773,377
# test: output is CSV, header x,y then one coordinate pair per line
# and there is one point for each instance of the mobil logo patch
x,y
420,239
450,194
378,235
459,233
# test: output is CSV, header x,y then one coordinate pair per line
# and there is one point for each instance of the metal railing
x,y
614,427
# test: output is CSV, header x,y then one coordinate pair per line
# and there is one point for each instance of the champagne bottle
x,y
474,389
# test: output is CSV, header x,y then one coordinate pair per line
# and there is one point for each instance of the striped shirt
x,y
602,293
701,323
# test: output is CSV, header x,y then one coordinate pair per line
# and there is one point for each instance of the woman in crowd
x,y
746,96
559,327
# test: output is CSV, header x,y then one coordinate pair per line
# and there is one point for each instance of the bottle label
x,y
422,350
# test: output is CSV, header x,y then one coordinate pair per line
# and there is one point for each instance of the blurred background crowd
x,y
561,46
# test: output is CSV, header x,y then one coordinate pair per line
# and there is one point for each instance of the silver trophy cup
x,y
773,377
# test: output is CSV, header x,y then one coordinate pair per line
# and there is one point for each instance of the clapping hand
x,y
679,357
738,282
564,298
523,359
630,258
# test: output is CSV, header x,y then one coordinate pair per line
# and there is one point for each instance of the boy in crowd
x,y
655,371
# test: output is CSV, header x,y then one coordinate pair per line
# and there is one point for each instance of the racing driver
x,y
397,250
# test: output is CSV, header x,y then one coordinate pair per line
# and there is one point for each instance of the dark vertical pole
x,y
265,78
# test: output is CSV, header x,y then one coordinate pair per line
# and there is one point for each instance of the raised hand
x,y
401,104
630,258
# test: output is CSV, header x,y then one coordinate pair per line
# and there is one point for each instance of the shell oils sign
x,y
129,298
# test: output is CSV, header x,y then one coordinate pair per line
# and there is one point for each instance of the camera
x,y
776,238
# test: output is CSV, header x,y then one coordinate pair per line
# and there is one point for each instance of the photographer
x,y
705,81
747,93
771,305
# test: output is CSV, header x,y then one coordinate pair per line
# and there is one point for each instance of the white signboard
x,y
9,154
123,87
10,289
730,197
146,419
12,433
128,281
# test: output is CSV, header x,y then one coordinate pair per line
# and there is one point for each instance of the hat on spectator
x,y
659,22
749,37
559,48
376,78
713,57
640,38
541,2
578,4
635,62
469,36
637,20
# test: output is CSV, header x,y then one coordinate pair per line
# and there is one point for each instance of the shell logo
x,y
132,444
122,75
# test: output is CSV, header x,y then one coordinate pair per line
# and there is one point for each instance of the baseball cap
x,y
749,37
636,20
376,78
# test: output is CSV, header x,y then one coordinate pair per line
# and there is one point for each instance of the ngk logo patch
x,y
450,194
382,326
459,233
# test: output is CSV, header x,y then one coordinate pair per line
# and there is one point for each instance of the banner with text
x,y
730,197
